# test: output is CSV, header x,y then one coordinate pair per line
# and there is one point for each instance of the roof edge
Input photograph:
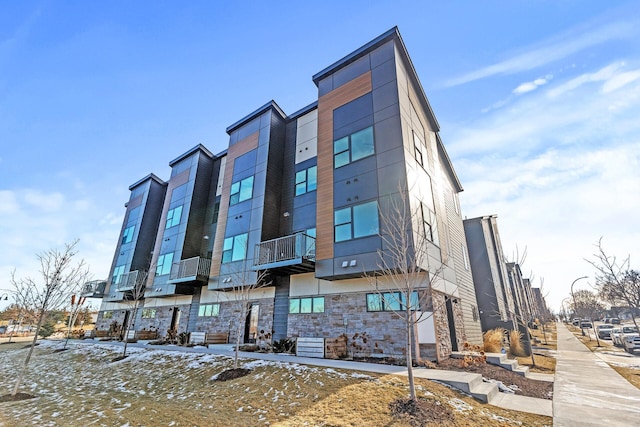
x,y
198,147
151,176
271,105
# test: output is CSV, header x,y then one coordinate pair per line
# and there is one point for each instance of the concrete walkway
x,y
587,391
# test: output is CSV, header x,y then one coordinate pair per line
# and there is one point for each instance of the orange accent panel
x,y
234,151
357,87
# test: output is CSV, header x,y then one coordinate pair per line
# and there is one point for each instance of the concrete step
x,y
469,383
501,360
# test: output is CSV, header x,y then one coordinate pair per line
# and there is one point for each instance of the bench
x,y
146,335
216,338
310,347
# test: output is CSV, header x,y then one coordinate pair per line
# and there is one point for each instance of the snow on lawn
x,y
82,386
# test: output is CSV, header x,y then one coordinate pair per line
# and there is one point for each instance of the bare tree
x,y
404,277
243,291
60,278
586,305
133,300
617,283
74,309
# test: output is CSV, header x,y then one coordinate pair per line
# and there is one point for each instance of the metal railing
x,y
295,246
94,287
196,267
128,281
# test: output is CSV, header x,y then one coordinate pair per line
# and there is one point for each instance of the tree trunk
x,y
412,386
23,371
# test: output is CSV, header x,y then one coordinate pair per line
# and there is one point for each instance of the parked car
x,y
586,324
615,336
631,342
626,331
615,321
575,322
604,330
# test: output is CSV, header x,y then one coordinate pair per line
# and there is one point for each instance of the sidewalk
x,y
587,391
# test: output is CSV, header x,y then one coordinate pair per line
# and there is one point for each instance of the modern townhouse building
x,y
495,300
298,201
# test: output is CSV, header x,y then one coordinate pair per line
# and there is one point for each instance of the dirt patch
x,y
119,358
420,412
520,385
16,398
60,350
232,374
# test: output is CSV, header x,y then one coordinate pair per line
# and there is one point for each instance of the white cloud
x,y
551,50
560,172
531,86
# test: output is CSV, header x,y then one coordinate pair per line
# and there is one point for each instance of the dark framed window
x,y
306,180
107,315
306,305
241,191
391,301
209,310
164,264
356,221
127,235
173,217
353,147
235,248
417,149
429,224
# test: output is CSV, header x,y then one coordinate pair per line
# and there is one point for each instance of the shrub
x,y
515,344
492,340
285,345
46,329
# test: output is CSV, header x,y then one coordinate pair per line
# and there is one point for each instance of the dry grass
x,y
630,374
515,344
544,364
154,387
547,338
492,340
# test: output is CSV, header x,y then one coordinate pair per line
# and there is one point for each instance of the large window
x,y
391,301
306,305
148,313
353,147
417,149
107,315
164,264
117,274
127,236
208,310
173,217
235,248
241,191
306,180
356,221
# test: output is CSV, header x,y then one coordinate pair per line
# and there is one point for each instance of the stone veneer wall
x,y
443,336
225,321
103,324
162,321
368,333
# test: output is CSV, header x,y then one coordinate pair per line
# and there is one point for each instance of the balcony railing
x,y
290,250
94,289
128,281
195,268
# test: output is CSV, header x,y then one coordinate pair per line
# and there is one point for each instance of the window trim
x,y
307,184
353,221
172,218
240,188
127,234
148,313
161,264
210,310
397,299
232,250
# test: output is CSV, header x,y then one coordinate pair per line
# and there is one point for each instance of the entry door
x,y
175,319
251,325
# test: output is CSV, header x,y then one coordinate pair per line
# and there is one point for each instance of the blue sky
x,y
538,103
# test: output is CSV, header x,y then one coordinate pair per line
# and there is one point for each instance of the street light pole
x,y
574,300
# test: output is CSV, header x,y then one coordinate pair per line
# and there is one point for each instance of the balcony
x,y
128,281
194,269
288,255
94,289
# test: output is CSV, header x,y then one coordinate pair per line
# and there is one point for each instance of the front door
x,y
175,319
251,324
452,325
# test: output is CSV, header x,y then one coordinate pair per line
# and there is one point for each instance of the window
x,y
391,301
353,147
117,274
234,248
208,310
306,180
430,225
456,202
164,264
148,313
417,148
306,305
107,315
356,221
465,258
173,217
241,191
127,236
474,313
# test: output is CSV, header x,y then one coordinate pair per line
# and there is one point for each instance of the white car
x,y
627,332
615,336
